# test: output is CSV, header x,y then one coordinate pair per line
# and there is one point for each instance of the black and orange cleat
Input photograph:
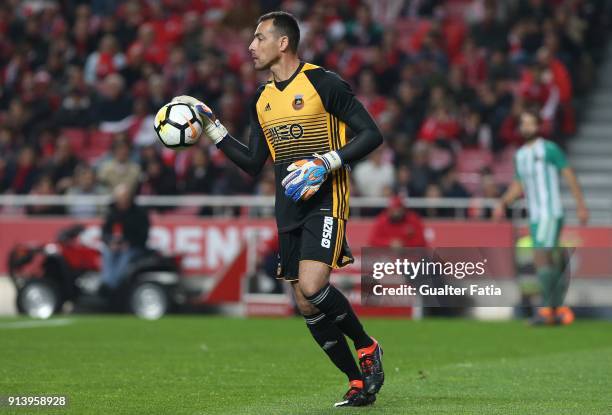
x,y
370,361
564,316
356,396
544,317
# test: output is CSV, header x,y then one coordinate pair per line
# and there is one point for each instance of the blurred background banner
x,y
208,245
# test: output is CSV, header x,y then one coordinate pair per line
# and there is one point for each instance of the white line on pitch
x,y
28,324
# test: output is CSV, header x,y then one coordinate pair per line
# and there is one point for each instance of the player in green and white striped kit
x,y
539,163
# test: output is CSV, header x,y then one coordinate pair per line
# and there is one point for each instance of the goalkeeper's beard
x,y
267,66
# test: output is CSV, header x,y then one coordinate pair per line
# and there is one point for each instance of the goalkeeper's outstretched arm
x,y
249,158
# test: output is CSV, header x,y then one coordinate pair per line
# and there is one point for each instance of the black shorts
x,y
319,238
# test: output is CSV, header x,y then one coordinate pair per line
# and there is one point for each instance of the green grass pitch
x,y
217,365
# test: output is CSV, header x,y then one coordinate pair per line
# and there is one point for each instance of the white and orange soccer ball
x,y
177,125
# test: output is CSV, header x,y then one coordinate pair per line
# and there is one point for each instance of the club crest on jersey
x,y
298,102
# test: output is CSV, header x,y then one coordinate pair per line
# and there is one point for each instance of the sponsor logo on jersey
x,y
286,132
268,107
328,229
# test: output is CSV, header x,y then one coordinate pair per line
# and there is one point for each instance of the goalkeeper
x,y
300,117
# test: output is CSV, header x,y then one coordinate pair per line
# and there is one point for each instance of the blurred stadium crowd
x,y
445,80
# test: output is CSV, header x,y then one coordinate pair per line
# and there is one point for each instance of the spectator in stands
x,y
139,130
403,181
157,179
509,131
561,79
178,74
192,31
17,117
125,232
38,100
397,227
363,31
475,133
266,187
135,68
375,176
158,93
106,60
44,187
76,106
155,52
421,174
433,193
488,186
8,147
432,53
500,67
201,174
412,107
368,94
83,39
489,189
487,102
538,89
450,185
385,68
490,33
119,169
458,89
113,105
84,183
472,64
62,165
148,154
439,125
23,174
4,178
536,9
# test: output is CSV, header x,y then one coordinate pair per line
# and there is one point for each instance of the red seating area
x,y
463,68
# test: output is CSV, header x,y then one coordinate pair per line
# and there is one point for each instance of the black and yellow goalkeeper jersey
x,y
290,120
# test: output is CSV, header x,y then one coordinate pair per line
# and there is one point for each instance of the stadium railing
x,y
459,208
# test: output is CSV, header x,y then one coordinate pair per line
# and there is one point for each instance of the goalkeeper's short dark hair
x,y
286,25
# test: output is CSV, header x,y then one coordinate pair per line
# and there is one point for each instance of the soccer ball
x,y
177,125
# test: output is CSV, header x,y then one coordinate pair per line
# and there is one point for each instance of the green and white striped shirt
x,y
537,166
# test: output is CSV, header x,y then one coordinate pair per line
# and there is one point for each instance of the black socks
x,y
335,306
333,343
